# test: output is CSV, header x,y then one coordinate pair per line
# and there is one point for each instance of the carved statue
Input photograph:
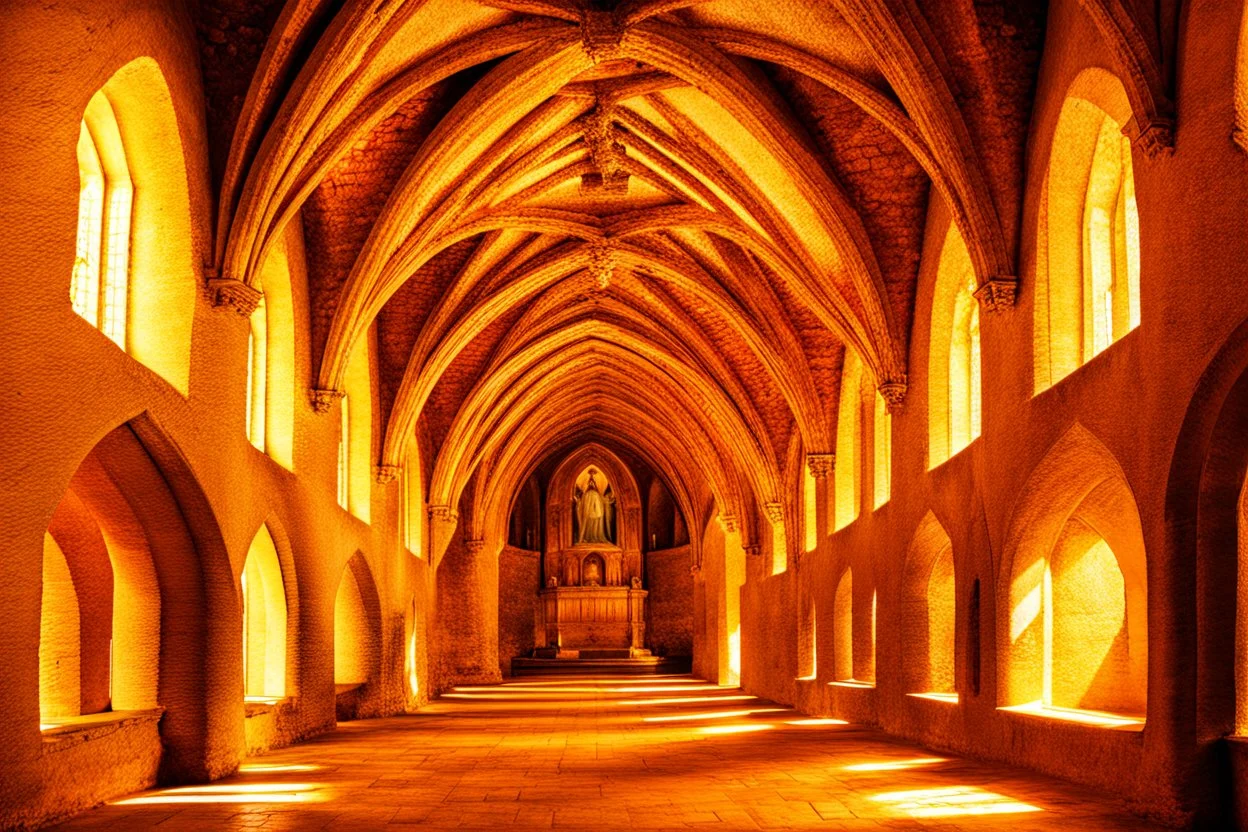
x,y
591,571
552,582
595,513
635,583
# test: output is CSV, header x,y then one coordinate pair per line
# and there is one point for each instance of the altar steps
x,y
637,666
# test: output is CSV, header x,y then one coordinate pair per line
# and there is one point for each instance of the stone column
x,y
467,614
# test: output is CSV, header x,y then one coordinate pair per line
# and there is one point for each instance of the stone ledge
x,y
61,734
1096,720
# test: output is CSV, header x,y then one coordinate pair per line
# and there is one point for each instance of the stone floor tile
x,y
611,759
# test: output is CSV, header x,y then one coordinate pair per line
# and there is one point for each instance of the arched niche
x,y
665,523
928,610
1074,628
357,613
137,593
524,526
564,553
270,610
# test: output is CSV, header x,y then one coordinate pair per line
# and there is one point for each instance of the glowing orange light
x,y
1098,718
936,697
952,801
710,715
255,768
895,765
680,700
828,721
744,728
230,793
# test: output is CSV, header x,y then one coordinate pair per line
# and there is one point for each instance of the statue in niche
x,y
591,571
594,512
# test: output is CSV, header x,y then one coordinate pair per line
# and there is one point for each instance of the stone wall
x,y
670,628
519,578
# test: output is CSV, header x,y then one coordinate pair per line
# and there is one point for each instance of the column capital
x,y
475,546
387,473
228,293
894,393
729,522
774,512
1155,139
443,514
997,294
821,465
323,400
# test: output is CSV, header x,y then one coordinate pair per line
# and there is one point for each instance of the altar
x,y
593,602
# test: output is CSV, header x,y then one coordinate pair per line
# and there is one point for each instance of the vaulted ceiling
x,y
654,223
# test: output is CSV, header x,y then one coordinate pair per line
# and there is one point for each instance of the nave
x,y
666,752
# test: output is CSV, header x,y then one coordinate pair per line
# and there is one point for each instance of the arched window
x,y
954,385
264,621
882,430
848,472
355,440
810,509
1077,615
928,607
411,489
1088,258
271,350
105,197
843,628
132,275
257,378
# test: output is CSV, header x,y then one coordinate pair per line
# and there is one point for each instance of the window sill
x,y
947,698
806,678
69,731
260,705
1092,719
852,683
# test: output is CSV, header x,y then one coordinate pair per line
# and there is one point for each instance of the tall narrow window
x,y
257,379
412,494
883,435
344,454
1087,285
847,477
810,513
99,286
954,366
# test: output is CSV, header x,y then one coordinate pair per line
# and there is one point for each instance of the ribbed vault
x,y
655,223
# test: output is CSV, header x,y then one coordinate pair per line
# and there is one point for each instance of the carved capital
x,y
997,294
601,34
729,522
227,293
474,546
323,400
387,473
443,514
821,465
602,262
775,513
753,550
1155,139
894,393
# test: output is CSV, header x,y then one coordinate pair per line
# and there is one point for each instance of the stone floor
x,y
647,753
